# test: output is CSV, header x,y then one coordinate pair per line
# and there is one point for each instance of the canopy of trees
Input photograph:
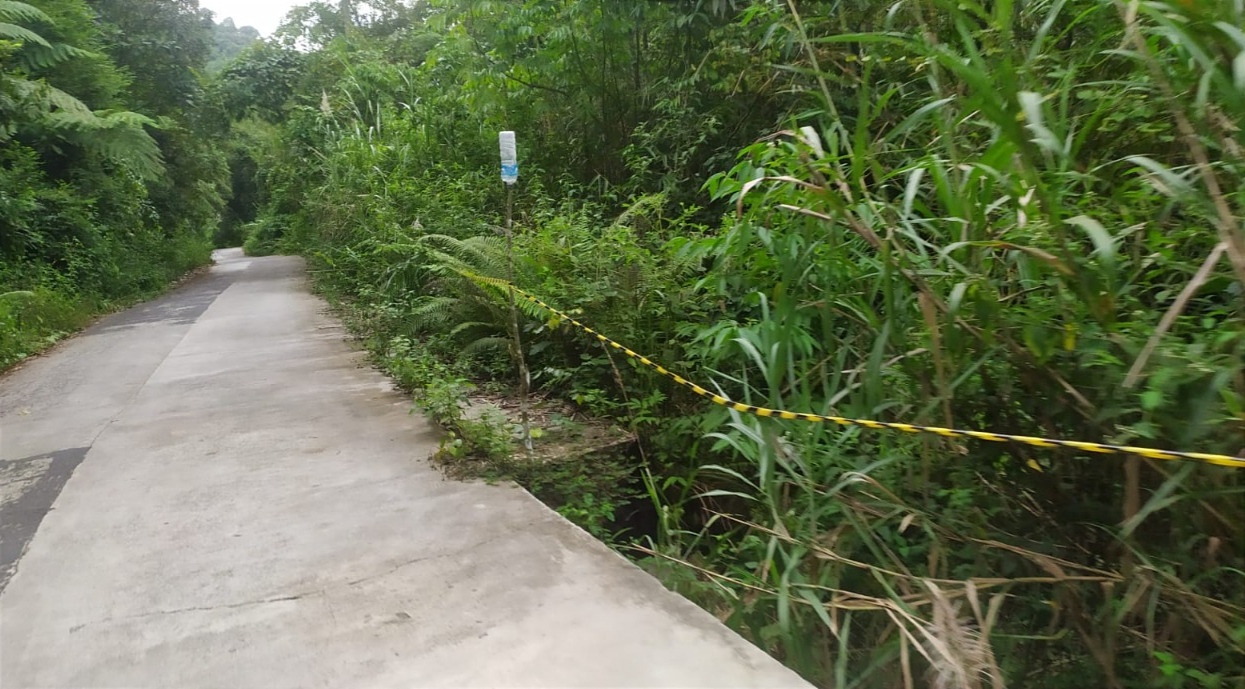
x,y
111,173
229,42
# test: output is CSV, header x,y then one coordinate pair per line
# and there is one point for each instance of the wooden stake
x,y
524,377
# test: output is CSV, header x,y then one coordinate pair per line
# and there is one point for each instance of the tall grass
x,y
989,237
1019,217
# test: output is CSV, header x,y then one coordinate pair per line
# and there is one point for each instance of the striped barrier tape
x,y
1031,441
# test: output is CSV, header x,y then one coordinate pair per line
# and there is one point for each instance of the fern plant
x,y
32,108
466,291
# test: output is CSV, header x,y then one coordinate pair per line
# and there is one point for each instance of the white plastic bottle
x,y
509,158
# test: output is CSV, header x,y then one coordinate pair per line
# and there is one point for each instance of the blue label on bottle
x,y
510,171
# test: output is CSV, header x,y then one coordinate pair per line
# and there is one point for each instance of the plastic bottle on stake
x,y
509,158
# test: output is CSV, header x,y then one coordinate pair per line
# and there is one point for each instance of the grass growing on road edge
x,y
587,490
37,311
1020,217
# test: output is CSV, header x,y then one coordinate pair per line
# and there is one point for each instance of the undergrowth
x,y
1013,217
43,306
111,179
588,489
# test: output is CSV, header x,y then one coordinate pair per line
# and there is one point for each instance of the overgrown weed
x,y
1022,218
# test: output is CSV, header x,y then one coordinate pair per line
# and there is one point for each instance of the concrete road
x,y
212,490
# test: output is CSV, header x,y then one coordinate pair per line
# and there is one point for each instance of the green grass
x,y
33,319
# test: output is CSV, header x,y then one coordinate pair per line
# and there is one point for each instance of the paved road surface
x,y
211,490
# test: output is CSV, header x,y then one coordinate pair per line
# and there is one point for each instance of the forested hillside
x,y
1012,217
111,175
229,40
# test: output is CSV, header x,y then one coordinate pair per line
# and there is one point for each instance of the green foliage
x,y
230,40
1012,217
34,109
588,490
31,320
260,80
441,393
99,204
243,195
164,48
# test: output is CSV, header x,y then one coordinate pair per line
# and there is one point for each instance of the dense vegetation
x,y
112,177
229,40
1017,217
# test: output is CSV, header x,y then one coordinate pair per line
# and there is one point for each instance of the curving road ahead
x,y
212,490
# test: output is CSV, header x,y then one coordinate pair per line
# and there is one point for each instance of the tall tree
x,y
164,46
35,109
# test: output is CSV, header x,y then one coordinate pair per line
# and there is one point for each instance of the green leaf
x,y
13,32
20,11
912,120
1162,177
1162,498
1151,399
1031,105
1104,244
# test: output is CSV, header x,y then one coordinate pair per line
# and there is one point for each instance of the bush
x,y
1020,218
264,237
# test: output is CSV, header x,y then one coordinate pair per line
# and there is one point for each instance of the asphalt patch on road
x,y
28,488
183,306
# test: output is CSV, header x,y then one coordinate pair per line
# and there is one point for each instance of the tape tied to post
x,y
871,424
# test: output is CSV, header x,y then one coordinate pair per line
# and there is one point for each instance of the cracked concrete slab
x,y
28,487
254,509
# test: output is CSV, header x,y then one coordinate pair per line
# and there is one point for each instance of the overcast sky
x,y
264,15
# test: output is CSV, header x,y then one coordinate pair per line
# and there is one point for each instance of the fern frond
x,y
117,136
126,118
642,208
483,254
54,98
444,264
33,57
468,325
13,32
532,311
486,343
434,309
11,11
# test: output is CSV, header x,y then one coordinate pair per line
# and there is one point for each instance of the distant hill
x,y
229,41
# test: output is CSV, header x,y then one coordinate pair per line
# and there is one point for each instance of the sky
x,y
264,15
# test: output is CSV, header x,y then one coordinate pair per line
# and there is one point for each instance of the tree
x,y
230,41
164,47
34,110
261,80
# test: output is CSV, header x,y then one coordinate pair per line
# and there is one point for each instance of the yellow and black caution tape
x,y
1098,448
